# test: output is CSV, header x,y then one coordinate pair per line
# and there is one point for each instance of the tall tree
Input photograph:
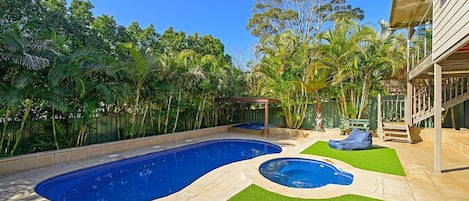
x,y
145,39
80,12
21,60
81,17
305,19
55,17
171,41
22,50
358,57
139,72
287,73
383,55
105,28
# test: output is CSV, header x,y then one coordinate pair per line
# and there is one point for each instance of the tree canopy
x,y
63,66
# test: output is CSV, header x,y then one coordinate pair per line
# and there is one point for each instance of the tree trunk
x,y
344,101
143,118
19,133
167,113
202,114
5,126
177,112
364,98
54,130
319,123
134,112
81,133
160,110
199,106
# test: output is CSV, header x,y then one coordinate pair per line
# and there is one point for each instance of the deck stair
x,y
455,90
396,131
391,116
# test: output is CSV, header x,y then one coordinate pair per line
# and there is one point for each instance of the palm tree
x,y
383,54
192,73
288,73
20,60
139,72
9,102
340,54
358,57
21,50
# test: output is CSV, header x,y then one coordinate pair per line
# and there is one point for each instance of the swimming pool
x,y
152,175
303,173
252,126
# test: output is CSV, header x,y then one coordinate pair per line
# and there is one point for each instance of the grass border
x,y
378,159
256,193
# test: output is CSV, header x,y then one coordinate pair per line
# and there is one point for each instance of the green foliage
x,y
62,68
288,73
379,159
254,192
305,18
15,48
359,58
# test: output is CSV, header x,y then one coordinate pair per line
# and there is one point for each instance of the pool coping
x,y
226,181
220,183
16,164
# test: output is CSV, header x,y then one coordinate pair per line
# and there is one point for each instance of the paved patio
x,y
421,183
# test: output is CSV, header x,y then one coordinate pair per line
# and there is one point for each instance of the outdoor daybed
x,y
357,139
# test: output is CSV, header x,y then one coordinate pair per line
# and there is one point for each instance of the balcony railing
x,y
420,45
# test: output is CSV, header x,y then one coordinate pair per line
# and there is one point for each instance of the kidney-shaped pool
x,y
152,175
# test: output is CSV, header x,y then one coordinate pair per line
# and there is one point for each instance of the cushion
x,y
357,139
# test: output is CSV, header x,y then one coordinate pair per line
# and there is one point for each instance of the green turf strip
x,y
256,193
378,159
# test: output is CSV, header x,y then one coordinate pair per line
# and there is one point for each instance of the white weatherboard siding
x,y
450,25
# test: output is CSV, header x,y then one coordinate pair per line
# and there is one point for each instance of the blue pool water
x,y
153,175
252,126
303,173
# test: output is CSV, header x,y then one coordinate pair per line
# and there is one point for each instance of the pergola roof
x,y
408,13
265,101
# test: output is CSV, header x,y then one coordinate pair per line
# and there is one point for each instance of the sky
x,y
223,19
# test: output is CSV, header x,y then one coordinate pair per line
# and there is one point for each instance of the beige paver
x,y
421,183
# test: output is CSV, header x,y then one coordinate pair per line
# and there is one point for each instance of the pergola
x,y
266,102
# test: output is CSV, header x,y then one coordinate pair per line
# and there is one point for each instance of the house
x,y
438,60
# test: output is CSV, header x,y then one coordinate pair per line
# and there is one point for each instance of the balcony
x,y
419,60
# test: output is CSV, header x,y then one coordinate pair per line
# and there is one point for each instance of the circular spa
x,y
303,173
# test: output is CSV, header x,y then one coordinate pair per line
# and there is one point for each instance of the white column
x,y
408,98
437,108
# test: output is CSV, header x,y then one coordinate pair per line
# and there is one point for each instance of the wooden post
x,y
380,118
409,108
437,124
266,121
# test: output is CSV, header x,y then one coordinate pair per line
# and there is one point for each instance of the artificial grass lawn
x,y
378,159
256,193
